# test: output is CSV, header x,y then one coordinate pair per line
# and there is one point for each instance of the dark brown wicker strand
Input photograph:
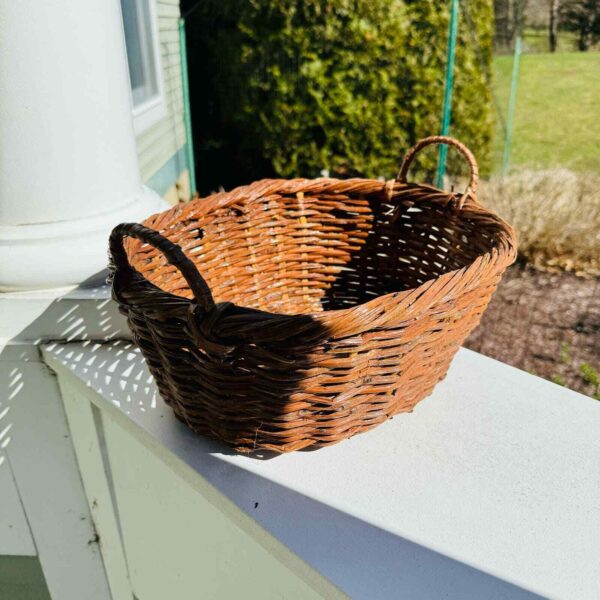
x,y
296,313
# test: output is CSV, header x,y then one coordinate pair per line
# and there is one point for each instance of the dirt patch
x,y
547,324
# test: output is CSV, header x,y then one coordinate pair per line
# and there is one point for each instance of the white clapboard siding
x,y
159,143
167,9
152,139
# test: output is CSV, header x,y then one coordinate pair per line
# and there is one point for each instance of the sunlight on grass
x,y
557,117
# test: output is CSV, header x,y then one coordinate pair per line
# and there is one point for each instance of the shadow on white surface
x,y
82,314
363,559
500,471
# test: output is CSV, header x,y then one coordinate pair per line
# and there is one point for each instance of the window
x,y
139,24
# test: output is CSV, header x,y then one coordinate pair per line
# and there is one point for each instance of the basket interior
x,y
303,254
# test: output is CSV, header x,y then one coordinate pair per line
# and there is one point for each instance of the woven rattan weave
x,y
296,313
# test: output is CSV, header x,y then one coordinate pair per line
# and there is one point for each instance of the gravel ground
x,y
547,324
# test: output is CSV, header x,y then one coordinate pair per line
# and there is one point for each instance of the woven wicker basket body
x,y
296,313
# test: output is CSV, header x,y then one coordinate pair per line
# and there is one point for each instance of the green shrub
x,y
291,87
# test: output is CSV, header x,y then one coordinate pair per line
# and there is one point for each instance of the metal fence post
x,y
511,107
189,144
447,109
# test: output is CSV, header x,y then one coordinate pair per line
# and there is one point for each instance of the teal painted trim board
x,y
168,174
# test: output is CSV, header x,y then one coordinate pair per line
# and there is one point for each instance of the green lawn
x,y
557,115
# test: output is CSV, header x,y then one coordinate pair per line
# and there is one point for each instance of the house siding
x,y
161,148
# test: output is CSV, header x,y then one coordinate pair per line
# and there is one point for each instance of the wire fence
x,y
545,179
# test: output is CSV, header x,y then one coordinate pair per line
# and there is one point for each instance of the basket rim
x,y
328,317
319,185
503,252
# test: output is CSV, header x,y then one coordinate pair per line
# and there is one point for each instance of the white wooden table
x,y
489,489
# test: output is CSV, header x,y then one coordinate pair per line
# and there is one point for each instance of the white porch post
x,y
68,164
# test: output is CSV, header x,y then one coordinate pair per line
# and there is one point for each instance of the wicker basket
x,y
295,313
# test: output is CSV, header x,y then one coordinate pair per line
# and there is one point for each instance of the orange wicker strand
x,y
296,313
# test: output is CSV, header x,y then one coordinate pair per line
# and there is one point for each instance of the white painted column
x,y
68,163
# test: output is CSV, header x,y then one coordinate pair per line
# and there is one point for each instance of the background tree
x,y
509,18
583,17
553,25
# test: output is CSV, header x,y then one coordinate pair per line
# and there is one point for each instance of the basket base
x,y
265,450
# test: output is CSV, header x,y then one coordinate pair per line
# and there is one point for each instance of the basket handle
x,y
449,141
172,252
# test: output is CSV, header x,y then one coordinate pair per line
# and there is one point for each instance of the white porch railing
x,y
490,489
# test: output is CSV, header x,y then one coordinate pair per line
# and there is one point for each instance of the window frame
x,y
149,112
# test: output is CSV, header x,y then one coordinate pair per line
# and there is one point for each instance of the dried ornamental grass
x,y
556,214
295,313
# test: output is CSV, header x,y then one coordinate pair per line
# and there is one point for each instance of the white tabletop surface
x,y
489,489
